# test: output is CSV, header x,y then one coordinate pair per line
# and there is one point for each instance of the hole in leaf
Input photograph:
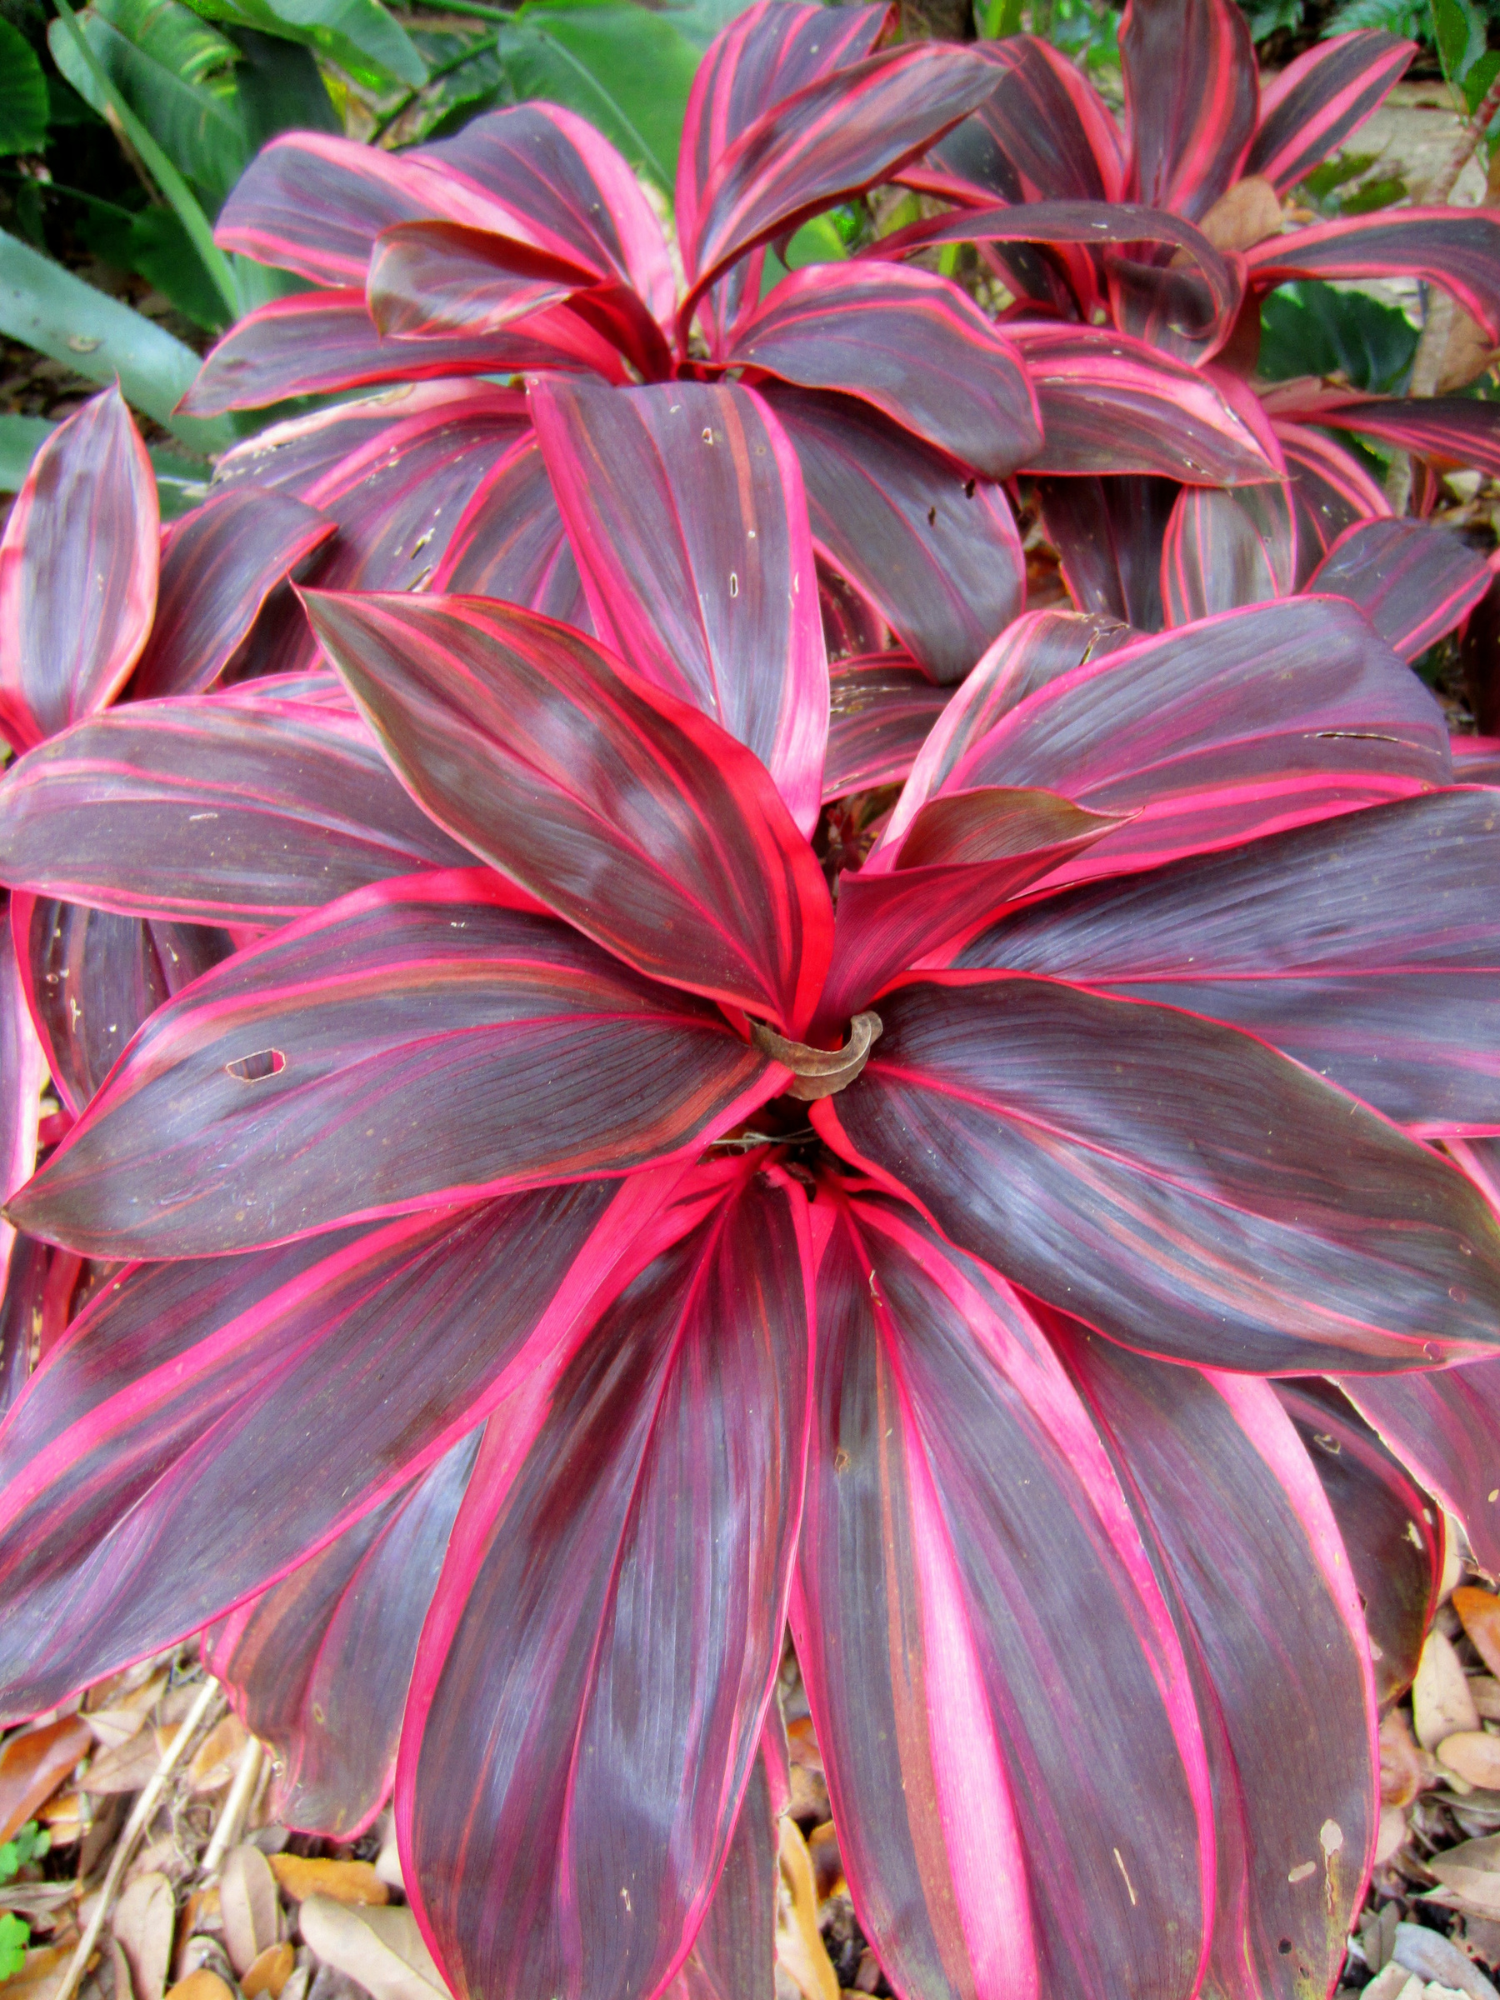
x,y
1284,1947
252,1069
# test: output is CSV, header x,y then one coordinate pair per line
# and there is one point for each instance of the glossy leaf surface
x,y
656,1492
1387,1525
1224,549
218,566
1444,1426
683,504
1190,97
1294,1229
1414,582
1108,534
935,550
911,343
1455,248
624,809
882,707
1330,492
23,1073
975,1619
1228,728
1042,134
1320,100
1367,947
212,809
92,978
1243,1533
319,1665
78,570
411,1045
147,1440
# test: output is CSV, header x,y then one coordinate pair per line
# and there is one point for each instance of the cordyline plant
x,y
577,1239
1167,236
526,246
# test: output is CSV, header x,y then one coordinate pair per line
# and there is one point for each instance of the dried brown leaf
x,y
1472,1870
33,1765
344,1881
1440,1698
218,1755
1480,1612
201,1985
1401,1769
1474,1755
382,1949
248,1909
270,1972
800,1950
129,1766
144,1920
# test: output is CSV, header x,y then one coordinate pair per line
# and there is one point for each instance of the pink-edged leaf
x,y
1455,248
1320,100
964,855
684,506
1476,760
1190,100
909,342
734,1954
1367,947
510,542
1225,548
1028,656
1000,1697
1388,1526
23,1074
629,812
1454,430
414,1044
315,342
446,277
882,706
1242,1531
1226,729
1108,534
853,626
1043,133
218,566
293,456
626,1543
1061,1135
835,136
27,1268
320,1664
93,978
763,55
78,570
1189,307
1413,581
936,551
346,1362
212,810
1111,404
546,177
1330,492
1444,1427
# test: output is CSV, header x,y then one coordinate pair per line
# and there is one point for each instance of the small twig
x,y
240,1794
137,1823
1468,145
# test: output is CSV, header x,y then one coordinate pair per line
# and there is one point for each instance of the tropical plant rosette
x,y
577,1236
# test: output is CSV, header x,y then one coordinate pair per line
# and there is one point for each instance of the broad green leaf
x,y
177,75
1337,173
1458,28
365,41
701,20
153,243
21,438
280,89
47,307
626,70
23,94
1314,329
1479,79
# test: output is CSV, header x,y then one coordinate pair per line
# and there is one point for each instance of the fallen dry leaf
x,y
125,1715
344,1881
129,1766
1436,1958
388,1860
218,1755
64,1816
1480,1612
201,1985
270,1972
800,1951
42,1975
248,1909
1391,1833
1441,1703
34,1764
382,1949
1401,1768
1472,1870
1245,215
1394,1983
144,1920
1485,1690
1474,1755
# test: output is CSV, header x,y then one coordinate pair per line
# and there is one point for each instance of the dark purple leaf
x,y
1043,133
1455,248
1413,581
1330,492
1320,100
1190,100
1444,1426
1177,1184
1108,534
1224,549
882,708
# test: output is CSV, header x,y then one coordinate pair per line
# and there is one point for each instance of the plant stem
x,y
473,7
1468,145
480,48
135,1826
